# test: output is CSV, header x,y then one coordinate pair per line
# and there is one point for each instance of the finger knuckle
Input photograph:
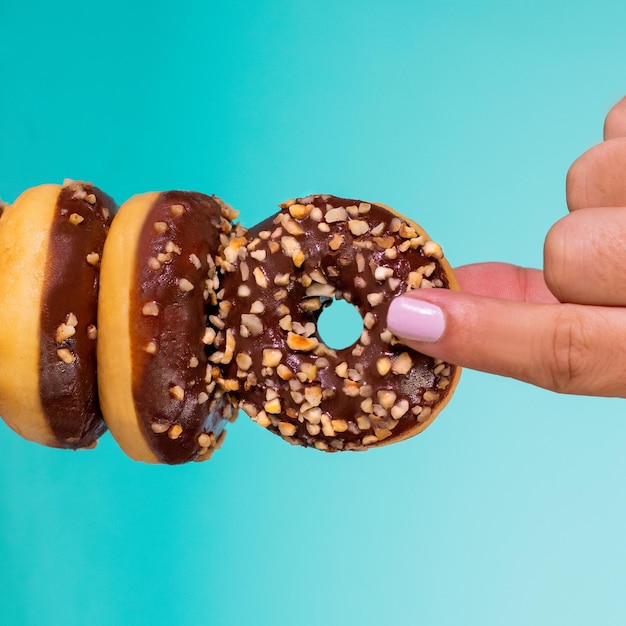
x,y
568,352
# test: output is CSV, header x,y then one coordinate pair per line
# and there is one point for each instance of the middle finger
x,y
585,257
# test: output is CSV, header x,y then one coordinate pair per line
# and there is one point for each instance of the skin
x,y
563,328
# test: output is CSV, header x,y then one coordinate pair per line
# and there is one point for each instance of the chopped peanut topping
x,y
386,398
366,405
339,426
382,273
382,433
383,365
358,227
363,422
244,361
185,285
271,357
309,370
257,307
302,344
93,258
327,426
342,370
402,364
336,242
400,409
209,336
63,332
252,323
273,407
313,429
406,232
259,255
286,429
151,347
150,309
177,392
204,440
375,298
262,419
338,214
432,249
175,431
298,258
285,322
66,356
259,277
293,228
313,395
300,211
284,372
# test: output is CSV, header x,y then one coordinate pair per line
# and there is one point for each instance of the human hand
x,y
563,328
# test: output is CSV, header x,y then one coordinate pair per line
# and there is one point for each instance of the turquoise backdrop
x,y
511,508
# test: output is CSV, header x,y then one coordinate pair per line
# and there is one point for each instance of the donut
x,y
160,393
286,270
51,243
162,322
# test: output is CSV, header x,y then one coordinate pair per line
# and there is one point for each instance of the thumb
x,y
567,348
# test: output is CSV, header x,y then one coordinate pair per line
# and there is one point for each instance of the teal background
x,y
465,116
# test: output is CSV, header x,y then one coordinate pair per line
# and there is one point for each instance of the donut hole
x,y
340,324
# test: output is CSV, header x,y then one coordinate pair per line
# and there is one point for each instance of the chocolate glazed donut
x,y
316,249
68,384
51,242
161,396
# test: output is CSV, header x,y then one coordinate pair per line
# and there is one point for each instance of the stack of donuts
x,y
159,319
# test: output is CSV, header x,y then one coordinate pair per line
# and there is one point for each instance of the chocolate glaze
x,y
178,329
69,392
352,262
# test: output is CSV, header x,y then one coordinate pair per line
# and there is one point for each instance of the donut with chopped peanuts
x,y
316,249
161,394
51,242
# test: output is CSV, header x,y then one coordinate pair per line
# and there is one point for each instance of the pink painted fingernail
x,y
415,319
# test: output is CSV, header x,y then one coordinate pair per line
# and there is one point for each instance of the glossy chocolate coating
x,y
334,247
168,354
69,392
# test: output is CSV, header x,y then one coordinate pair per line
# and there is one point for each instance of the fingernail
x,y
415,319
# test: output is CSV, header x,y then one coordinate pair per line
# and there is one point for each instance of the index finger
x,y
502,280
564,347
